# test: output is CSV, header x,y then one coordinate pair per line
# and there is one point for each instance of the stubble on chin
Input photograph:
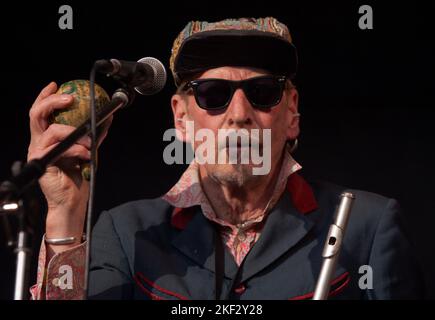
x,y
232,175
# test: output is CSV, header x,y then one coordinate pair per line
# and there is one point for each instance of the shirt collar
x,y
187,192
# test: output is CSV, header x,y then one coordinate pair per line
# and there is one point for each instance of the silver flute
x,y
332,247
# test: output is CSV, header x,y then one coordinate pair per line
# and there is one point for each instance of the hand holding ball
x,y
79,111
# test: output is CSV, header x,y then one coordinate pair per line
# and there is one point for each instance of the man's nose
x,y
240,111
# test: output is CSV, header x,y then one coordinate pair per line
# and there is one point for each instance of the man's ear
x,y
179,111
292,114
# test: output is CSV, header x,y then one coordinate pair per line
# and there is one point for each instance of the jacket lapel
x,y
284,228
197,242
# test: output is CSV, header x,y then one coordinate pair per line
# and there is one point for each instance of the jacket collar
x,y
298,189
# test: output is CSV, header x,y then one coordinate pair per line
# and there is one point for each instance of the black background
x,y
366,96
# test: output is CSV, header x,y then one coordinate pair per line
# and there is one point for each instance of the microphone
x,y
147,76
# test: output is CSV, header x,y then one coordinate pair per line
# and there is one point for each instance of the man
x,y
222,232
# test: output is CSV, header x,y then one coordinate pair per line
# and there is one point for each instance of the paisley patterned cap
x,y
262,43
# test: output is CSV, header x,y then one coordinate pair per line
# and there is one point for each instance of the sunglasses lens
x,y
264,92
213,94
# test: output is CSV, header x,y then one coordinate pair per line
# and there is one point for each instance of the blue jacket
x,y
138,253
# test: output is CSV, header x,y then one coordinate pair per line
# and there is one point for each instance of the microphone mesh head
x,y
159,80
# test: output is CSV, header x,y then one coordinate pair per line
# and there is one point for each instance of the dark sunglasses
x,y
214,94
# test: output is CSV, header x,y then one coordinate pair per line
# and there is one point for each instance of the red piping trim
x,y
340,288
146,291
332,293
152,284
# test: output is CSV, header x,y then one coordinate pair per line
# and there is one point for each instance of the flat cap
x,y
263,43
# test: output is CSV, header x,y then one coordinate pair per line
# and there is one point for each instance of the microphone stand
x,y
12,190
22,248
332,247
23,252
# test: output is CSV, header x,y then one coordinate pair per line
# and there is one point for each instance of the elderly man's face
x,y
239,114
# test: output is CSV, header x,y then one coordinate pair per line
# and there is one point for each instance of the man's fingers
x,y
54,134
75,151
48,90
40,112
57,132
